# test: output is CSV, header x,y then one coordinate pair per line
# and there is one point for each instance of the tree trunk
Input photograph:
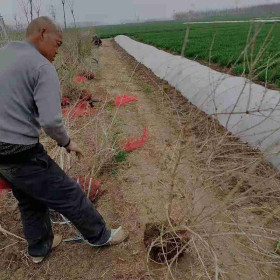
x,y
74,18
31,9
63,4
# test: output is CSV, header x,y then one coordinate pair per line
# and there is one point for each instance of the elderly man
x,y
29,100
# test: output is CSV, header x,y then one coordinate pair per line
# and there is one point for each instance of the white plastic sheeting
x,y
249,111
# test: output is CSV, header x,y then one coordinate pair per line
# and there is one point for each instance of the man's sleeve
x,y
47,98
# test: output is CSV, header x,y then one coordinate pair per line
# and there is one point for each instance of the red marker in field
x,y
124,99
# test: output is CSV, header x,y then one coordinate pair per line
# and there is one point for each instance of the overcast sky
x,y
116,11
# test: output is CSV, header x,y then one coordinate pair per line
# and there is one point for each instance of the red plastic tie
x,y
80,79
136,143
65,101
4,185
124,99
81,109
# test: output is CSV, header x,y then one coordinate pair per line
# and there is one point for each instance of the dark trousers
x,y
38,184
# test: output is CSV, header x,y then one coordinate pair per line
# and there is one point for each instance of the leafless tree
x,y
52,11
16,21
236,3
31,9
71,6
63,6
37,7
25,8
3,31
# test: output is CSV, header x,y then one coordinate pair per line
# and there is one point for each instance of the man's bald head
x,y
45,35
42,23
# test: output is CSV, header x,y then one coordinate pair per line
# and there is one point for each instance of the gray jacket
x,y
29,96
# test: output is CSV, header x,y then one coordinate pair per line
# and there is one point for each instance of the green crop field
x,y
227,41
132,29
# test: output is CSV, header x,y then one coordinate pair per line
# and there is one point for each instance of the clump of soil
x,y
164,244
71,92
86,95
65,102
87,74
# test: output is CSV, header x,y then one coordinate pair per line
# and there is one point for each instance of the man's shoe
x,y
56,241
117,236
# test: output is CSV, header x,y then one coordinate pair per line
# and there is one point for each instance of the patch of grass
x,y
115,136
277,247
148,89
110,106
115,172
121,157
148,209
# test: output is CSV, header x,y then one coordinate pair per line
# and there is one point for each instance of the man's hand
x,y
73,147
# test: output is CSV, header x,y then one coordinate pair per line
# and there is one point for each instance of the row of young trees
x,y
32,9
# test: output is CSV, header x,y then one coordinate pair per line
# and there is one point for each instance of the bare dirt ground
x,y
177,155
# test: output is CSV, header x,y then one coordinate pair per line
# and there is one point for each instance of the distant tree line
x,y
268,10
31,9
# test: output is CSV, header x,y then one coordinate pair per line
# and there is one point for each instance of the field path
x,y
135,196
137,192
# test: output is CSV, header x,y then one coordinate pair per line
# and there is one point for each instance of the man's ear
x,y
42,33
